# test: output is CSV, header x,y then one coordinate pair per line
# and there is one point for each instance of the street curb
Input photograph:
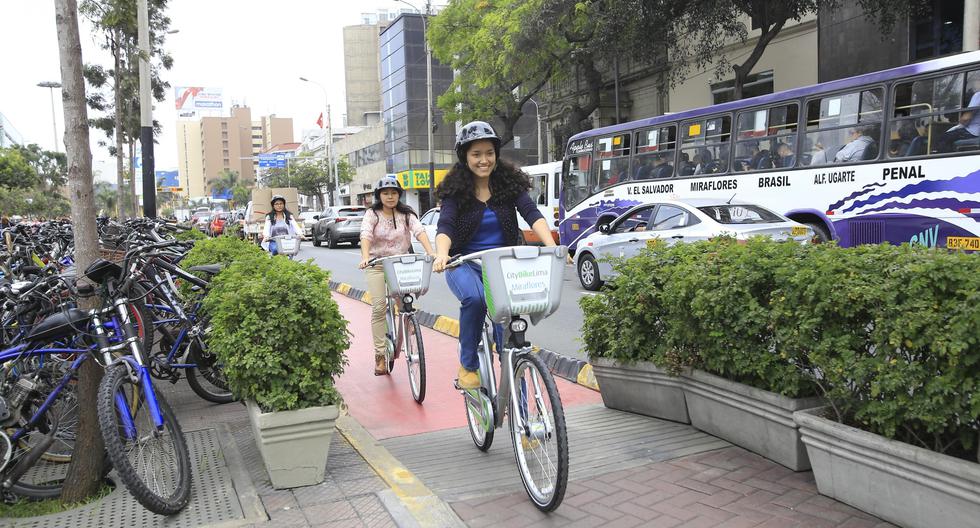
x,y
423,506
568,368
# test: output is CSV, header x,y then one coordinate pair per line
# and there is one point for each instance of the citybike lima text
x,y
406,278
521,281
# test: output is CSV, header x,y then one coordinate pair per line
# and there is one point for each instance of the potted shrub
x,y
281,338
893,332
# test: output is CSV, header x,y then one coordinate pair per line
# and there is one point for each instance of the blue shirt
x,y
488,235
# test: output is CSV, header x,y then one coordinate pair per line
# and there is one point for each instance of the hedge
x,y
890,335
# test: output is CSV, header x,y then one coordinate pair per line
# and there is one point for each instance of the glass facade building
x,y
403,104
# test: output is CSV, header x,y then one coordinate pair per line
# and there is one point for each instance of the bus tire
x,y
821,233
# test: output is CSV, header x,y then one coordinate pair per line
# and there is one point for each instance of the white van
x,y
544,191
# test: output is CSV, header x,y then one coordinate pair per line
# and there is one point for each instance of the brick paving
x,y
348,496
726,488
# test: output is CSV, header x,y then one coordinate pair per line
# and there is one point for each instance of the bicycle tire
x,y
544,499
482,435
206,379
416,367
390,343
112,433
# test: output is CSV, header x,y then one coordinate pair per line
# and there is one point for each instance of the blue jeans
x,y
466,283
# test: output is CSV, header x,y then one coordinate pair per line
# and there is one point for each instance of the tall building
x,y
8,134
361,73
403,104
206,147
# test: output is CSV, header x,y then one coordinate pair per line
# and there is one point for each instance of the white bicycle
x,y
521,281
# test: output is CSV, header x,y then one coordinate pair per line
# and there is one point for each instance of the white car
x,y
430,221
677,221
308,220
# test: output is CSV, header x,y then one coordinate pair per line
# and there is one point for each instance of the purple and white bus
x,y
888,156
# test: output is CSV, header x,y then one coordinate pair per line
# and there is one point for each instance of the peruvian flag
x,y
319,120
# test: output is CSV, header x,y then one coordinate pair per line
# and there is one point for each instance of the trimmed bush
x,y
190,234
278,332
889,334
220,250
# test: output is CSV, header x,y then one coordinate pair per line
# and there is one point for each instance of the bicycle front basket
x,y
523,280
287,245
408,274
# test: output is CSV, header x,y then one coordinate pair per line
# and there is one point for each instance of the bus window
x,y
539,188
576,184
654,153
843,128
766,139
935,116
613,160
705,146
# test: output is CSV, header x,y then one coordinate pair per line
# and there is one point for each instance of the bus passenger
x,y
856,148
786,156
969,124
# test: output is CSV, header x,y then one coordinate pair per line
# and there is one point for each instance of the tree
x,y
85,471
310,176
105,198
50,167
226,181
15,171
117,21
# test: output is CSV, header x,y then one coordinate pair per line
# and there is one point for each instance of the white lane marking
x,y
588,293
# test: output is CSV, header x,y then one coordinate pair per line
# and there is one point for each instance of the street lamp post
x,y
537,113
331,159
428,90
146,112
54,123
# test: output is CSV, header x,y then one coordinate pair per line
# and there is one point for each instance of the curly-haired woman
x,y
481,197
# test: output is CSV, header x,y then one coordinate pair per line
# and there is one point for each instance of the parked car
x,y
430,221
339,224
217,224
202,222
308,220
673,222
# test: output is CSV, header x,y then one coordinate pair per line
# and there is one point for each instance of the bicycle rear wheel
x,y
153,463
537,427
414,357
479,408
207,379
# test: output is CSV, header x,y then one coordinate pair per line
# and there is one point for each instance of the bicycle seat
x,y
210,269
61,324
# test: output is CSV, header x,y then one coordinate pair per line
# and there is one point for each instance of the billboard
x,y
419,178
190,98
275,160
166,180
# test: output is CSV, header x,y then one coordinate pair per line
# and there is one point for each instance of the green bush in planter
x,y
278,332
190,234
893,333
221,250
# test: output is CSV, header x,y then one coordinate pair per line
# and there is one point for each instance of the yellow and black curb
x,y
571,369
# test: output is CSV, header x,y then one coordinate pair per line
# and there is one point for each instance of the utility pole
x,y
54,123
428,102
146,113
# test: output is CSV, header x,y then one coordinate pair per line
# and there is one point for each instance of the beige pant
x,y
376,287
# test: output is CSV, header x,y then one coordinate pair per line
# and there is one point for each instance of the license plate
x,y
653,242
970,243
799,231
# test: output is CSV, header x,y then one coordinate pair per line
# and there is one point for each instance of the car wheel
x,y
316,241
331,242
588,273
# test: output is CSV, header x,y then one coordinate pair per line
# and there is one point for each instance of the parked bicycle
x,y
521,281
406,279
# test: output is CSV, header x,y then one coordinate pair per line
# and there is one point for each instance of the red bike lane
x,y
383,404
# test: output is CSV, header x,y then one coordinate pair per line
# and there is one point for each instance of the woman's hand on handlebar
x,y
439,264
364,263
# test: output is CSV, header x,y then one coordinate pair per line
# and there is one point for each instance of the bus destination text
x,y
833,177
650,189
715,185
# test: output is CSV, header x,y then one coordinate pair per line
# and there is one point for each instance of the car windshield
x,y
740,214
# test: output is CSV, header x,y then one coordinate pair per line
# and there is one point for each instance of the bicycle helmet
x,y
473,131
387,182
276,198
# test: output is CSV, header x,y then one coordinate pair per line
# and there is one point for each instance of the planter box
x,y
294,444
641,388
907,485
758,420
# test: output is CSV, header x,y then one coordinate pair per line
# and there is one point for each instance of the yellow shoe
x,y
529,443
467,379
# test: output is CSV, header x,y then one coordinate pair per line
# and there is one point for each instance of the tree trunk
x,y
117,75
85,472
132,179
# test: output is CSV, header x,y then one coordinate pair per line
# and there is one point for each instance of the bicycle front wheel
x,y
414,357
153,463
537,427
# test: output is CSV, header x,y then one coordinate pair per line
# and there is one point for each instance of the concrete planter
x,y
907,485
757,420
294,444
641,388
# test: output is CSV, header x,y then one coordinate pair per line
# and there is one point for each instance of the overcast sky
x,y
254,51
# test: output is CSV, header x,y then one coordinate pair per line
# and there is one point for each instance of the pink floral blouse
x,y
386,238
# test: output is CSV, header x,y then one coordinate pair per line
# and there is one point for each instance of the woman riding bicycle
x,y
386,230
481,197
279,222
